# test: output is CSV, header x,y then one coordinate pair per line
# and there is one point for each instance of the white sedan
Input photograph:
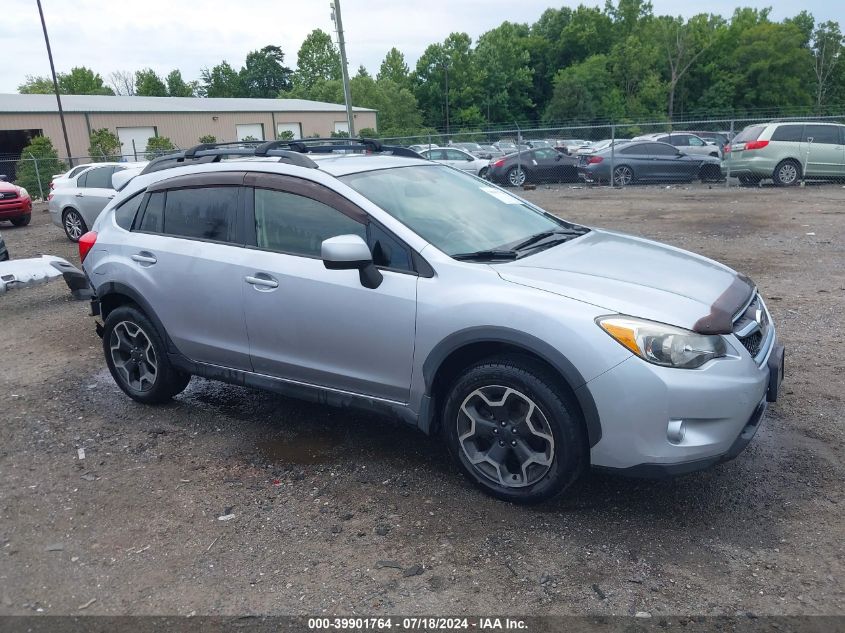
x,y
459,159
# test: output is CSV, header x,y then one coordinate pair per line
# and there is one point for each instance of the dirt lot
x,y
345,513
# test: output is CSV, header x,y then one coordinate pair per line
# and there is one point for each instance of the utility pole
x,y
55,83
344,69
446,71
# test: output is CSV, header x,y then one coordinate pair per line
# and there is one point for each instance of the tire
x,y
787,173
540,460
137,358
23,220
516,176
74,224
483,173
623,175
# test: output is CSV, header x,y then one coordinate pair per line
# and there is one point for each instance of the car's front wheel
x,y
137,358
22,220
74,224
513,431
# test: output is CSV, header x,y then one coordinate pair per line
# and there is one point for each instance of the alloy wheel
x,y
623,175
787,173
73,225
505,436
133,355
516,177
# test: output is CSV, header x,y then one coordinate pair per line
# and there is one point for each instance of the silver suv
x,y
535,347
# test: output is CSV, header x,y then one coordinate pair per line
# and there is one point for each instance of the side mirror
x,y
350,252
558,157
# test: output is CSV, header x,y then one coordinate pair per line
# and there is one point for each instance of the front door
x,y
317,326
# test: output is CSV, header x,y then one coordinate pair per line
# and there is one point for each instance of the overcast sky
x,y
109,35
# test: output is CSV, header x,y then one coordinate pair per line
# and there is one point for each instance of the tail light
x,y
499,162
727,149
594,160
86,243
51,185
756,144
50,196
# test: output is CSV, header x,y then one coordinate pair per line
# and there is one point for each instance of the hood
x,y
637,277
7,186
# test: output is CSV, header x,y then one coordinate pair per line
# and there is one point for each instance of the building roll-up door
x,y
133,141
251,131
293,128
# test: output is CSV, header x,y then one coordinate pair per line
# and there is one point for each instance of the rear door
x,y
460,160
312,325
822,145
186,258
94,190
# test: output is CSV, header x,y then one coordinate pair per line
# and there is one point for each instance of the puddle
x,y
311,449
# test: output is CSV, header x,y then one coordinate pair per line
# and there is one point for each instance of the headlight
x,y
23,193
663,344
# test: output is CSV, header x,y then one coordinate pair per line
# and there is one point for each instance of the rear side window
x,y
678,140
289,223
660,149
828,134
634,149
124,215
749,134
206,213
99,178
153,218
791,133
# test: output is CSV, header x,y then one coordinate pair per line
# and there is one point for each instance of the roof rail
x,y
290,151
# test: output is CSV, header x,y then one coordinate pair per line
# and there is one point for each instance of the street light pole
x,y
55,83
446,71
347,93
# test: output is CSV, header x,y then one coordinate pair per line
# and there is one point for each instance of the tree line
x,y
586,65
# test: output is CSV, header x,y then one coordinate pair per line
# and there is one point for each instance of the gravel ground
x,y
339,513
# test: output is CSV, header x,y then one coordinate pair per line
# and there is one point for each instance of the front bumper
x,y
14,208
720,407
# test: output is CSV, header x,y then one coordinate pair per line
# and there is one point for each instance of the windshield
x,y
456,212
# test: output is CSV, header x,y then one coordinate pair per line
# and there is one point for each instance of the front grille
x,y
8,195
752,328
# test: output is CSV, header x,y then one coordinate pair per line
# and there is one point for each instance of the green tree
x,y
284,135
317,60
39,149
103,146
82,81
503,55
149,84
36,86
177,87
394,68
827,51
221,81
264,74
158,145
585,93
208,138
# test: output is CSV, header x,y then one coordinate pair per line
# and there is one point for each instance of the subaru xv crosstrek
x,y
533,346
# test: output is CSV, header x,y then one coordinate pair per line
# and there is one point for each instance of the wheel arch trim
x,y
112,288
529,343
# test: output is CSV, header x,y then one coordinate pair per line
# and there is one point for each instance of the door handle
x,y
79,195
264,281
111,196
144,258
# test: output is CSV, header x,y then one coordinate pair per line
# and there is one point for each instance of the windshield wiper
x,y
486,255
564,234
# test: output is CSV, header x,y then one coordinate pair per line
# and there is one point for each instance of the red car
x,y
15,204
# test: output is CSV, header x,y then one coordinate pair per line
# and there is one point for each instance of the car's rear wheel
x,y
483,173
73,224
22,220
516,176
787,173
137,358
513,431
623,175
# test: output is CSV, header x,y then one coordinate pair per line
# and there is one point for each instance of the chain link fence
x,y
728,152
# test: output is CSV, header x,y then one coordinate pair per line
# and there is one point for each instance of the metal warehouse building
x,y
182,119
